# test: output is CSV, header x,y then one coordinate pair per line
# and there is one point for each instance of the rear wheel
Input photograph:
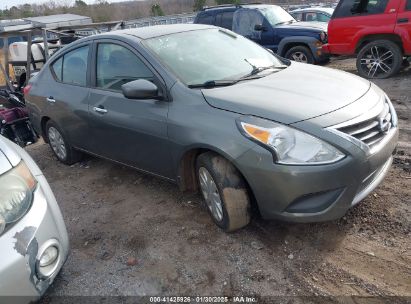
x,y
60,145
300,53
224,191
379,59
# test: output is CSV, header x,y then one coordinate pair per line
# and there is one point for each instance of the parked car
x,y
33,237
272,27
377,32
211,110
318,14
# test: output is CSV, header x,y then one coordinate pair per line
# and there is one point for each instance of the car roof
x,y
235,7
328,10
159,30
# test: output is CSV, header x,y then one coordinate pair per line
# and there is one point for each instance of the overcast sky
x,y
9,3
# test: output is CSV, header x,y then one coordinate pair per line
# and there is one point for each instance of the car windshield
x,y
276,15
197,57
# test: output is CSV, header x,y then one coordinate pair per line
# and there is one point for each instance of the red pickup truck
x,y
378,32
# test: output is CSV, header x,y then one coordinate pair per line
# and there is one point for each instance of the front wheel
x,y
300,53
224,191
379,59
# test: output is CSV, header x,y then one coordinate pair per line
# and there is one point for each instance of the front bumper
x,y
314,193
20,246
326,49
319,55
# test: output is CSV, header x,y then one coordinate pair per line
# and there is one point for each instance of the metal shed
x,y
58,21
28,27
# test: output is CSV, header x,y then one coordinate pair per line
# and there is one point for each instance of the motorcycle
x,y
14,119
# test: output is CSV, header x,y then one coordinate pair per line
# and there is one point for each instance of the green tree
x,y
199,4
156,10
80,3
26,10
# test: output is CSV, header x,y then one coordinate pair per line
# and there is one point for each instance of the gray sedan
x,y
212,111
33,237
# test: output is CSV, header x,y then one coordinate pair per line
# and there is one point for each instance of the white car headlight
x,y
16,194
290,146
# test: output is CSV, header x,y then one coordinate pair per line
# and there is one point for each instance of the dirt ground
x,y
134,235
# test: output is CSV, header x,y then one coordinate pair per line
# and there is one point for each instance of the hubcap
x,y
57,143
377,61
299,57
210,193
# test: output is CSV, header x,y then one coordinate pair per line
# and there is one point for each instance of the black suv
x,y
272,27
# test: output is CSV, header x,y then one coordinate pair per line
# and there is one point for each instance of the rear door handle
x,y
100,110
403,20
51,99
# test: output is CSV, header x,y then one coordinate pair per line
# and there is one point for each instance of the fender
x,y
308,41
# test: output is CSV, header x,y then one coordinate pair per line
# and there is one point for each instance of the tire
x,y
231,189
379,59
300,53
58,141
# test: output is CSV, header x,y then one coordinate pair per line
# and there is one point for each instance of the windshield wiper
x,y
285,22
213,83
256,70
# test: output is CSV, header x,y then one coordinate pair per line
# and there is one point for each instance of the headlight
x,y
323,37
16,194
290,146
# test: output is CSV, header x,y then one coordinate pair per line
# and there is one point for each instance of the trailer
x,y
41,37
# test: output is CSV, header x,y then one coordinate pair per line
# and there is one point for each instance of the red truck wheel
x,y
379,59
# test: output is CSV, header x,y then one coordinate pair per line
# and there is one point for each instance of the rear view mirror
x,y
259,28
140,89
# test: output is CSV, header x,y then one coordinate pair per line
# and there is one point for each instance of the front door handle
x,y
403,20
51,99
100,110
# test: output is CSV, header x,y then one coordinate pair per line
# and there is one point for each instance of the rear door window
x,y
408,5
117,65
297,16
205,19
227,20
349,8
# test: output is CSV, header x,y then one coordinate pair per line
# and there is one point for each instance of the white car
x,y
313,14
33,237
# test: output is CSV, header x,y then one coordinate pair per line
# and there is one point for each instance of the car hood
x,y
298,93
8,155
315,26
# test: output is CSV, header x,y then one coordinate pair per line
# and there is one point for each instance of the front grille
x,y
373,130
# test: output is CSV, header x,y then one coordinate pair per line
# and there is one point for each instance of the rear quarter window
x,y
57,68
71,68
408,5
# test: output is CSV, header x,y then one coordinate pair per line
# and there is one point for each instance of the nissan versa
x,y
33,237
209,109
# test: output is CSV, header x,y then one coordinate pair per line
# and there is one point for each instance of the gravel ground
x,y
133,234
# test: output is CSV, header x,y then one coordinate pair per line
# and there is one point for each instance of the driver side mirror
x,y
140,89
260,28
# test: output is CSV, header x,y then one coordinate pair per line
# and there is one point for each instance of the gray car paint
x,y
20,243
190,120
